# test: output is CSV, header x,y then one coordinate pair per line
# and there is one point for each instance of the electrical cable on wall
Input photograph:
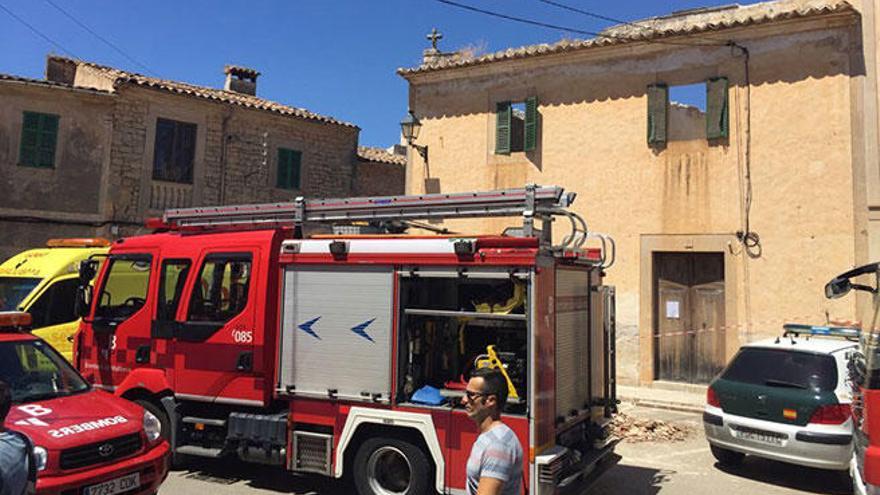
x,y
750,241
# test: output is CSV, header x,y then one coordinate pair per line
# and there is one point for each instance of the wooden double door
x,y
689,328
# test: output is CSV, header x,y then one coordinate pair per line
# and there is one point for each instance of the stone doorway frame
x,y
687,243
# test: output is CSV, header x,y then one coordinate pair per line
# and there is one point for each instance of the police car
x,y
785,399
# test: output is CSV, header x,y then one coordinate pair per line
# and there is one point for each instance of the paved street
x,y
679,468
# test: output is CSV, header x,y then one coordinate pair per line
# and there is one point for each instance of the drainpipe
x,y
224,141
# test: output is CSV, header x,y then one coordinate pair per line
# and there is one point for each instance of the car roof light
x,y
78,242
797,329
14,320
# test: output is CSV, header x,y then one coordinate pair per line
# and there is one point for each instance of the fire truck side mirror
x,y
837,287
87,271
83,300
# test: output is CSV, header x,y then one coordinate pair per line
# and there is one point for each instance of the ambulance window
x,y
174,273
56,304
221,291
13,290
125,288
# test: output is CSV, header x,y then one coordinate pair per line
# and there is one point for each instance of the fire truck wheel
x,y
727,457
386,466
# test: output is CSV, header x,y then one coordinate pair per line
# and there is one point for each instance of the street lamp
x,y
410,127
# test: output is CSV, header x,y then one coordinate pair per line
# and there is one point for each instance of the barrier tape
x,y
744,326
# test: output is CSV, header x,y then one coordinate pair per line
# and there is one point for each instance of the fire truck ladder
x,y
532,203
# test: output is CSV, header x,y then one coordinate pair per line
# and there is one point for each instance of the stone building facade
x,y
728,219
380,172
94,150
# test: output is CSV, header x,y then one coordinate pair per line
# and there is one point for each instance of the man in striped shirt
x,y
495,464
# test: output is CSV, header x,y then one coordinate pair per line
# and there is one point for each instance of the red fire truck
x,y
864,374
346,355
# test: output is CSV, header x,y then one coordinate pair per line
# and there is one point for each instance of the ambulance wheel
x,y
727,457
390,466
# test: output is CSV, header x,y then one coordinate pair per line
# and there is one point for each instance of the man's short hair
x,y
5,401
494,383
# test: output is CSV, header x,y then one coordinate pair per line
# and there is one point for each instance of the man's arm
x,y
489,486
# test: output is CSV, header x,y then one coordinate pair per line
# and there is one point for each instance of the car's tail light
x,y
833,414
711,398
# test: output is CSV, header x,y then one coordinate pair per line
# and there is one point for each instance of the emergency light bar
x,y
797,329
78,242
15,320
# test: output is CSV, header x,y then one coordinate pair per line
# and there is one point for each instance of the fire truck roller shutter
x,y
336,332
572,342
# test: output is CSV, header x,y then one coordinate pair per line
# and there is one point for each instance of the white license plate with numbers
x,y
114,486
756,436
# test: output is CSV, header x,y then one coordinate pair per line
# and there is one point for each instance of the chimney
x,y
60,69
241,80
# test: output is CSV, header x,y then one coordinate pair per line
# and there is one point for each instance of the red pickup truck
x,y
86,441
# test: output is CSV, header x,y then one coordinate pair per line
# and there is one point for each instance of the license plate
x,y
114,486
757,436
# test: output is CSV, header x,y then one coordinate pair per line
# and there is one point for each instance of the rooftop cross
x,y
434,37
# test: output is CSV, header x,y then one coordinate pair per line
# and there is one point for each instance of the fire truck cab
x,y
347,354
43,282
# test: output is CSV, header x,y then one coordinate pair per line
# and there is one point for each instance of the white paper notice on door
x,y
673,309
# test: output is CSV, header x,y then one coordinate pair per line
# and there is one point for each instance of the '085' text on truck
x,y
347,354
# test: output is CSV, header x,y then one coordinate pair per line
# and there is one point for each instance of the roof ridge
x,y
688,24
206,92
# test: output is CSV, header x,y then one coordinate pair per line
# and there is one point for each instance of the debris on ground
x,y
634,430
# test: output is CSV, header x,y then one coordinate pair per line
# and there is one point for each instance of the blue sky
x,y
336,58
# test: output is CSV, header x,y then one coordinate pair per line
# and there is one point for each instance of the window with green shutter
x,y
289,169
516,126
717,108
658,104
39,137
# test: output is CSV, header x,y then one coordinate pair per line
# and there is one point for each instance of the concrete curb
x,y
660,404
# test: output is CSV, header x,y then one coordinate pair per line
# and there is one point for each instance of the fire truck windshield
x,y
34,371
14,289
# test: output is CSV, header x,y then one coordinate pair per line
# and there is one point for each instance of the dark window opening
x,y
39,136
175,151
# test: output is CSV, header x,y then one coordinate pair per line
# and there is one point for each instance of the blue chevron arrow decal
x,y
361,330
307,327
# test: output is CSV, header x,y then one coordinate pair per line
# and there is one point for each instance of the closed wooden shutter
x,y
502,128
289,169
717,108
39,135
531,126
658,105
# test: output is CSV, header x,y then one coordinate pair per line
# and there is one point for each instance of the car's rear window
x,y
772,367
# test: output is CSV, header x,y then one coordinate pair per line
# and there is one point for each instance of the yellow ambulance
x,y
43,283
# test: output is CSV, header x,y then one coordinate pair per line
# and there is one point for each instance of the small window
x,y
175,151
221,291
39,135
516,126
688,112
56,305
289,169
173,278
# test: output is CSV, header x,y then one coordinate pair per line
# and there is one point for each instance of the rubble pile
x,y
631,429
